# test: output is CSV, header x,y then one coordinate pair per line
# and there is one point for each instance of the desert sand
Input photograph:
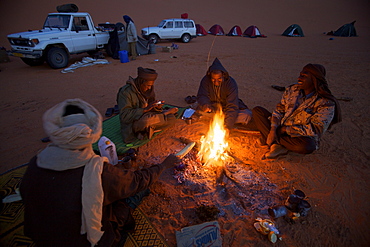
x,y
335,178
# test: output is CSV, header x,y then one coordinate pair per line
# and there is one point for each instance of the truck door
x,y
179,29
83,35
167,30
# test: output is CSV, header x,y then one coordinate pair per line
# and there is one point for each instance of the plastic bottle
x,y
108,149
271,227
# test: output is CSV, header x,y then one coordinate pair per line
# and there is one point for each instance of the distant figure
x,y
74,197
218,89
131,36
305,112
140,113
113,43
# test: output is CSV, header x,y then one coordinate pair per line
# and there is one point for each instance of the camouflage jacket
x,y
311,118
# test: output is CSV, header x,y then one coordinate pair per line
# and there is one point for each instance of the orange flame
x,y
214,145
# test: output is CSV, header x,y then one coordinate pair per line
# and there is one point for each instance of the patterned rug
x,y
11,218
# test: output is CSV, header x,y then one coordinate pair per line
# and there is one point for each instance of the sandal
x,y
188,99
116,109
109,112
194,99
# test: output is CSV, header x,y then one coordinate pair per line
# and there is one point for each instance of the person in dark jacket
x,y
140,113
74,197
218,89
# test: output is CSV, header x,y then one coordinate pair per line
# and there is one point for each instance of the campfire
x,y
212,152
213,149
217,177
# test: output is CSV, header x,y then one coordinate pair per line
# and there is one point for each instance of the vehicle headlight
x,y
32,42
144,32
35,41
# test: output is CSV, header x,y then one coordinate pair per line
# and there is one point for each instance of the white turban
x,y
72,137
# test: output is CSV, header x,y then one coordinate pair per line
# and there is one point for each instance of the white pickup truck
x,y
62,34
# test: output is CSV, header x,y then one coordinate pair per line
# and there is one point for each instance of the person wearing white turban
x,y
72,196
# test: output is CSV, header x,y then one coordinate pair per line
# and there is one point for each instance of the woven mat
x,y
145,234
11,218
11,214
112,130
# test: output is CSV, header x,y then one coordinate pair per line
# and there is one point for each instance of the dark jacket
x,y
131,104
53,205
228,100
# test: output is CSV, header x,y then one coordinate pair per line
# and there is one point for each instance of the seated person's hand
x,y
155,104
171,161
158,104
283,130
206,108
272,137
171,111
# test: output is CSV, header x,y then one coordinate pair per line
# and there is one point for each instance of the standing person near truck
x,y
131,36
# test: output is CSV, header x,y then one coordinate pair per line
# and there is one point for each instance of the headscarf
x,y
217,67
143,75
127,19
318,72
147,74
72,137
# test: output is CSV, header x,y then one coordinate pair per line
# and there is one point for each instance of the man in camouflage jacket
x,y
306,110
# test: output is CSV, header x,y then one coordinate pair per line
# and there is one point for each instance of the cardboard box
x,y
167,49
206,234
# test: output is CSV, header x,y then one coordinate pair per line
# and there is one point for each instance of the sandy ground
x,y
335,178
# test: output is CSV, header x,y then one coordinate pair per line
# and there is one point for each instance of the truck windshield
x,y
57,21
162,24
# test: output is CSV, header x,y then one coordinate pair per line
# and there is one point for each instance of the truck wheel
x,y
154,38
57,58
33,61
185,38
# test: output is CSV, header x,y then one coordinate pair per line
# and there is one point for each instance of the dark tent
x,y
347,30
293,30
143,46
235,31
253,32
117,41
200,30
216,30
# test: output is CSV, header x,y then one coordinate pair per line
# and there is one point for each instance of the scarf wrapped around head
x,y
143,75
72,136
127,18
321,85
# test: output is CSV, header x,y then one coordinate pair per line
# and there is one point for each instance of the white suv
x,y
183,29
